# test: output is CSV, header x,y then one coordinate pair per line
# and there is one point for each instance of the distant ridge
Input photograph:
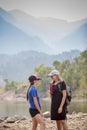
x,y
20,32
13,39
18,67
78,38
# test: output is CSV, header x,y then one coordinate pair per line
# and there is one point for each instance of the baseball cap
x,y
33,77
53,72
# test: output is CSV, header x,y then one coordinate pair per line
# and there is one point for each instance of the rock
x,y
75,122
2,119
6,126
46,114
11,120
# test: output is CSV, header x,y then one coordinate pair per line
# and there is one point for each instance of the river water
x,y
11,108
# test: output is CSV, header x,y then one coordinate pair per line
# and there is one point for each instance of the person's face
x,y
36,82
54,77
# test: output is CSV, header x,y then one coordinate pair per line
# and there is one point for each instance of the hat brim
x,y
49,75
38,79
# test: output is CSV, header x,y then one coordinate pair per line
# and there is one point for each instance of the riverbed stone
x,y
76,121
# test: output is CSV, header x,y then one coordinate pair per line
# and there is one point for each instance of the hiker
x,y
34,103
58,100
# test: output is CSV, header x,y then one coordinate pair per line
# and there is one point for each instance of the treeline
x,y
18,87
73,73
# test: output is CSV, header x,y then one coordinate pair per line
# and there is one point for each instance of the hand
x,y
60,110
41,113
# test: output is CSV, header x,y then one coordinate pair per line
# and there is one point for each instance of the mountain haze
x,y
18,67
20,32
32,41
78,38
46,28
13,39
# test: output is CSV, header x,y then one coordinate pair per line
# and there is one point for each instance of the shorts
x,y
33,112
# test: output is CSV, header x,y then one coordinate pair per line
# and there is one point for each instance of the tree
x,y
83,69
57,64
10,85
7,85
42,71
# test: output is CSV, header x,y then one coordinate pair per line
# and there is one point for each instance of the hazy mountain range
x,y
34,41
20,31
20,66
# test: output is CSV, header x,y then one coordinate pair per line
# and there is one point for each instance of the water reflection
x,y
21,107
13,108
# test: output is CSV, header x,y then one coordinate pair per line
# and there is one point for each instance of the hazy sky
x,y
62,9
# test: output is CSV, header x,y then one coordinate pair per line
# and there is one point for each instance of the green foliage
x,y
74,73
80,95
10,85
83,69
42,71
57,65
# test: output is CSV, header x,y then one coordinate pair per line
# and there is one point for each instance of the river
x,y
11,108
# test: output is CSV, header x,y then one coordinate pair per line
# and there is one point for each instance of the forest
x,y
74,73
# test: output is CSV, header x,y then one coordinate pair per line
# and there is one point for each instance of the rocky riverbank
x,y
75,122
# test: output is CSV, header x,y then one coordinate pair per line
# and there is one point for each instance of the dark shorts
x,y
33,112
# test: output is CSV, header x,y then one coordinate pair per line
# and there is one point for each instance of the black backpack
x,y
69,95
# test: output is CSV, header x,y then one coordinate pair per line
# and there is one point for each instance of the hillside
x,y
78,38
19,66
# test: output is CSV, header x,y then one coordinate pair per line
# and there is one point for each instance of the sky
x,y
70,10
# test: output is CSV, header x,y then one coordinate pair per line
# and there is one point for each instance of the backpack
x,y
69,93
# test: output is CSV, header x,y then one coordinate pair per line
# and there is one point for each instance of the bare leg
x,y
59,125
34,124
64,124
39,119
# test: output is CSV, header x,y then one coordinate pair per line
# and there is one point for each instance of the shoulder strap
x,y
59,86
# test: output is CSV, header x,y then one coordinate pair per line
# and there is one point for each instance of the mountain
x,y
20,31
48,29
78,38
6,15
18,67
14,40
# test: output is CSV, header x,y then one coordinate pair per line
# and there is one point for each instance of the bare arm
x,y
63,101
37,105
63,98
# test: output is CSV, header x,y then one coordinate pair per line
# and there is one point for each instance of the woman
x,y
58,100
34,103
